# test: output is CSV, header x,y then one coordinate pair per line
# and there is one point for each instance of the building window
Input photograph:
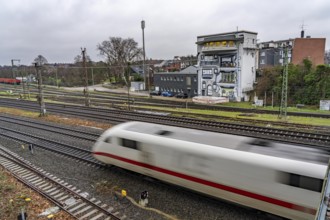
x,y
188,81
171,79
195,79
262,61
195,91
262,53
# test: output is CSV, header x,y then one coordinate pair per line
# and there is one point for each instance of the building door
x,y
209,90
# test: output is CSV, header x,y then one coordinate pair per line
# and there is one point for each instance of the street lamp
x,y
143,24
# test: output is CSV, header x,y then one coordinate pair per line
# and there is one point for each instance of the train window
x,y
305,182
129,143
164,132
107,140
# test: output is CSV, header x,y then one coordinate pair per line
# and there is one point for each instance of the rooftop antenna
x,y
302,33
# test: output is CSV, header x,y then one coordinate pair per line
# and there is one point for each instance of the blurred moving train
x,y
10,81
278,178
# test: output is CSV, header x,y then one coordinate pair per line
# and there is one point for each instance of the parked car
x,y
155,92
167,94
181,95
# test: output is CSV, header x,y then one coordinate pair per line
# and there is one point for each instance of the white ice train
x,y
282,179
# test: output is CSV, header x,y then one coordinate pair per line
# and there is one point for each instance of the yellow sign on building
x,y
220,44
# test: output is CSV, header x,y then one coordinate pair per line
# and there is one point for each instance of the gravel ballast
x,y
101,183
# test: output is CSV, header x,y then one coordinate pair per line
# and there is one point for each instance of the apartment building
x,y
272,53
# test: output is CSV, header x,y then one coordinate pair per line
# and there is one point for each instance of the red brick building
x,y
310,48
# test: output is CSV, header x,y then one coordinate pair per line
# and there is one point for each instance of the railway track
x,y
88,136
65,196
74,152
67,154
101,98
118,116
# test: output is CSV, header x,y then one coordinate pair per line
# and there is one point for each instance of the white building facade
x,y
227,64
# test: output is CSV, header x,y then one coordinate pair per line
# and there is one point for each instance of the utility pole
x,y
38,66
284,97
92,76
56,72
23,84
86,93
13,69
128,85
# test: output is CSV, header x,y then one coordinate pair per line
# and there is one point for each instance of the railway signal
x,y
86,93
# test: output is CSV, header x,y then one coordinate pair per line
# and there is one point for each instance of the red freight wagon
x,y
10,81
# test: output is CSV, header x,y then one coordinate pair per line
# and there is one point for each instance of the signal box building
x,y
227,64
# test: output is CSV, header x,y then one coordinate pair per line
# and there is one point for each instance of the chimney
x,y
308,36
302,34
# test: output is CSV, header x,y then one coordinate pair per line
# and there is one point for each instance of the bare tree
x,y
79,59
119,52
41,60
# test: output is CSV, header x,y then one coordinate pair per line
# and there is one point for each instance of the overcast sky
x,y
57,29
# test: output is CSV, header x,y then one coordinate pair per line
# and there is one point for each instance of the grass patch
x,y
14,111
248,105
55,118
264,117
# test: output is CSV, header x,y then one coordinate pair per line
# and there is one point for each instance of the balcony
x,y
228,69
227,84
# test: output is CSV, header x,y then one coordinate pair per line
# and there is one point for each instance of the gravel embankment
x,y
100,184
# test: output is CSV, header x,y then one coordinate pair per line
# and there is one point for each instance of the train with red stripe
x,y
10,81
278,178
